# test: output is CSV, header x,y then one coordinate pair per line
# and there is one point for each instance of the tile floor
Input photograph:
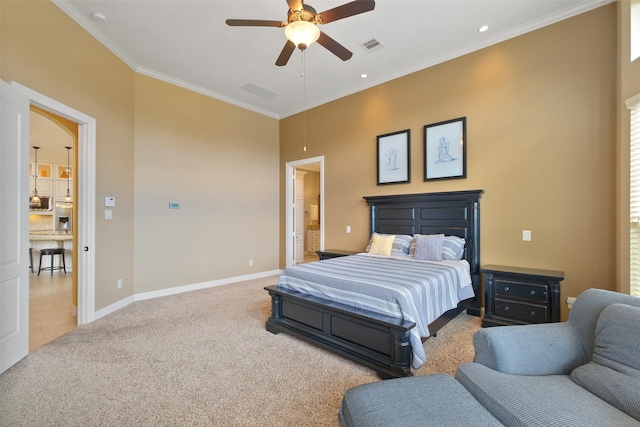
x,y
50,307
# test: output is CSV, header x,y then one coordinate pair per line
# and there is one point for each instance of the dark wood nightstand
x,y
333,253
520,296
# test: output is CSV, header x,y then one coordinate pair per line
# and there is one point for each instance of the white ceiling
x,y
187,42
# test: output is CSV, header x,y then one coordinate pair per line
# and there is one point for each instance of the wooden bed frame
x,y
380,342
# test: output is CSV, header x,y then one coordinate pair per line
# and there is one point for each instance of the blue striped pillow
x,y
453,248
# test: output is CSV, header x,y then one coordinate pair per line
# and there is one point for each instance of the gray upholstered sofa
x,y
583,372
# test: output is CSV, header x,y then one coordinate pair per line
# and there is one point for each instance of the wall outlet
x,y
250,263
526,235
348,229
570,301
119,283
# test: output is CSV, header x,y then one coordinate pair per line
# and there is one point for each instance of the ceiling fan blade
x,y
348,9
295,4
286,53
334,47
254,23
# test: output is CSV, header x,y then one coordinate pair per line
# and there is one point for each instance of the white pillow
x,y
381,244
401,243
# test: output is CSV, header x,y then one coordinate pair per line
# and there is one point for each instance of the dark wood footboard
x,y
379,342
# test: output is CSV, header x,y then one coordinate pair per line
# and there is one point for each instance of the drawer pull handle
x,y
506,308
506,289
533,292
533,313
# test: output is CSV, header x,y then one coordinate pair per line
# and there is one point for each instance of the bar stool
x,y
52,252
31,259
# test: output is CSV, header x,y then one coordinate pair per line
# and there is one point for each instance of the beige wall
x,y
220,163
544,122
541,131
43,49
206,147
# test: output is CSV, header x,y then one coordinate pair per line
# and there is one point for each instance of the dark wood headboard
x,y
455,213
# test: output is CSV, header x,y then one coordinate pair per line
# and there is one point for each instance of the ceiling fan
x,y
301,26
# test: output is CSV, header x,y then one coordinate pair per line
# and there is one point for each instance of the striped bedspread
x,y
418,291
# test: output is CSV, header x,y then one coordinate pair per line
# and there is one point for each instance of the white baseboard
x,y
113,307
180,289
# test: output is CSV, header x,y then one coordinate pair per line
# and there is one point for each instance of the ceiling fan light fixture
x,y
302,33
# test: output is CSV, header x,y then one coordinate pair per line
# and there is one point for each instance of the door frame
x,y
86,198
290,169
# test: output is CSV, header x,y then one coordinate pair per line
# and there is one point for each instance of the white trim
x,y
86,197
181,289
290,168
86,24
632,102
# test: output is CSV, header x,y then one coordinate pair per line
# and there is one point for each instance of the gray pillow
x,y
429,247
614,371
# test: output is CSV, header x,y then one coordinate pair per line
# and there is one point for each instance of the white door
x,y
299,217
14,226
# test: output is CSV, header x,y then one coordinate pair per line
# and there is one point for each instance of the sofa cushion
x,y
538,400
431,400
614,371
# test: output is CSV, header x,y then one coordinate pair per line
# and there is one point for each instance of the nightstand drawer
x,y
517,310
526,291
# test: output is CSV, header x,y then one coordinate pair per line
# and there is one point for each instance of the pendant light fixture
x,y
68,200
34,201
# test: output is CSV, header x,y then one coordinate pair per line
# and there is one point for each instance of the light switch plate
x,y
108,214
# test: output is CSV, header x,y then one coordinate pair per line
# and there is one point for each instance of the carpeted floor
x,y
198,358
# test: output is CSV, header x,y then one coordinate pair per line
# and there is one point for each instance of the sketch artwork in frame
x,y
393,157
445,150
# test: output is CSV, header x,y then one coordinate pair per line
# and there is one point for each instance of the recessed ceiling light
x,y
483,28
363,75
99,17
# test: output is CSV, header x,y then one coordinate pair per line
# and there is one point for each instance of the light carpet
x,y
198,358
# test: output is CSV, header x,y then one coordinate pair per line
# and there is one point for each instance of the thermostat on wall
x,y
110,201
174,205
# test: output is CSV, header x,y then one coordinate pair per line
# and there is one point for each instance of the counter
x,y
50,237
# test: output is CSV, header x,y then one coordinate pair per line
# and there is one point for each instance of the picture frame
x,y
445,150
394,157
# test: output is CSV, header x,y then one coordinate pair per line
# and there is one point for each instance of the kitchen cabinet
x,y
45,180
45,170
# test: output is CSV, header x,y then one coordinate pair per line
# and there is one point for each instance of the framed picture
x,y
445,150
393,157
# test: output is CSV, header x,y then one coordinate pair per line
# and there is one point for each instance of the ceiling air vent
x,y
372,45
261,91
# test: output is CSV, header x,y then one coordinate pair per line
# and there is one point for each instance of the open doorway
x,y
84,190
305,209
53,291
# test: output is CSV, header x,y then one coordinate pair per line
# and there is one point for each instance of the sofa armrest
x,y
540,349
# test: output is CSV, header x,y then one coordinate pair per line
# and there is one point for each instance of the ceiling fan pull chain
x,y
304,104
